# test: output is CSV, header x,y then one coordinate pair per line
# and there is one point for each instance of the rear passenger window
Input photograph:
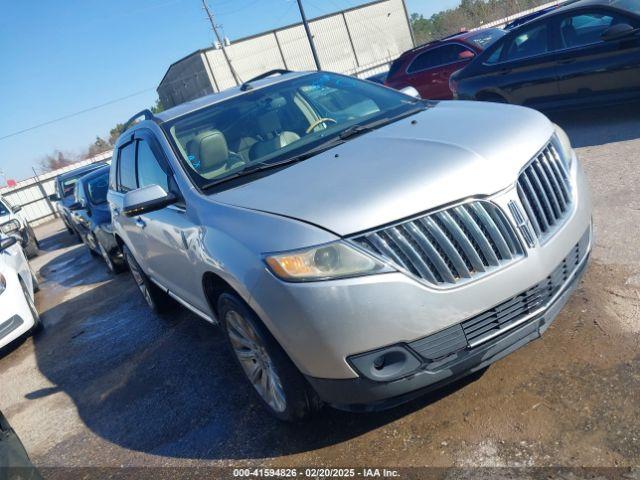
x,y
127,169
149,170
531,42
438,56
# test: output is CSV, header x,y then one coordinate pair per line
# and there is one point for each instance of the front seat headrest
x,y
209,149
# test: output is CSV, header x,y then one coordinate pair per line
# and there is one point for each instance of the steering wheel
x,y
319,121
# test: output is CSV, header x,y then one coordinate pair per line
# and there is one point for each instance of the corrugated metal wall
x,y
361,41
30,193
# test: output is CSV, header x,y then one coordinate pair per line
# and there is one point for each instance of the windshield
x,y
486,37
69,183
97,188
277,122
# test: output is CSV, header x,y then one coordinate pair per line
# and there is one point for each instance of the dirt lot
x,y
109,384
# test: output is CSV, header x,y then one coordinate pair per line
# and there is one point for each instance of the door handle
x,y
140,222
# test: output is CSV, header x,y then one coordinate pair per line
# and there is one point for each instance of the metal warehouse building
x,y
359,41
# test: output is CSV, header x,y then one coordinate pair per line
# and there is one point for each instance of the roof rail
x,y
278,71
146,113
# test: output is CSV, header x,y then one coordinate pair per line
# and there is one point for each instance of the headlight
x,y
3,284
563,145
329,261
10,228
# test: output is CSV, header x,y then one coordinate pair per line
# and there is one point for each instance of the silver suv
x,y
357,245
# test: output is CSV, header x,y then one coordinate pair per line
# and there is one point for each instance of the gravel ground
x,y
110,384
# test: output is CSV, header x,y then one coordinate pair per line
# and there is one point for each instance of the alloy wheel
x,y
137,276
255,360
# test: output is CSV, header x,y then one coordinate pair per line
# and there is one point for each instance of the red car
x,y
428,67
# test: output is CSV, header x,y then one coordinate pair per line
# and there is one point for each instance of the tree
x,y
98,147
157,107
56,160
115,132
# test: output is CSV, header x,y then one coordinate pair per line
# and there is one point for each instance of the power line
x,y
65,117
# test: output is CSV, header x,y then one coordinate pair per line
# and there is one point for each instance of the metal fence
x,y
33,193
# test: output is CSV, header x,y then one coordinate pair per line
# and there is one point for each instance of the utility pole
x,y
220,41
306,28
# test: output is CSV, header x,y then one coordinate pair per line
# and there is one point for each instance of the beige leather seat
x,y
210,153
274,138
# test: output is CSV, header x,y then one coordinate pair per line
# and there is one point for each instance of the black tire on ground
x,y
115,265
38,325
157,300
31,248
286,395
36,284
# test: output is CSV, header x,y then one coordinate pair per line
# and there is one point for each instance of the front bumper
x,y
15,316
363,394
322,324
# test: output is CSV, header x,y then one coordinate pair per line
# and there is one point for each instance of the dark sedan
x,y
586,51
65,187
91,218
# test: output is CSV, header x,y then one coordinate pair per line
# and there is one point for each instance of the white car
x,y
18,314
9,216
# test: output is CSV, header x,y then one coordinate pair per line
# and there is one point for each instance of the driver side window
x,y
149,170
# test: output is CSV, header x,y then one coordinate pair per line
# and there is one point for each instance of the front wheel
x,y
37,322
276,380
156,299
115,265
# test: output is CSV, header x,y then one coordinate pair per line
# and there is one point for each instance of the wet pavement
x,y
109,384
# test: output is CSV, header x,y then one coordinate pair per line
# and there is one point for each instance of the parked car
x,y
12,222
530,16
378,77
91,218
585,52
368,247
428,67
65,189
18,314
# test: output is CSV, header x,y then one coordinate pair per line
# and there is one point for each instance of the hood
x,y
444,154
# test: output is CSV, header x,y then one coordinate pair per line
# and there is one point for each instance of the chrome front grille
x,y
449,246
505,316
544,191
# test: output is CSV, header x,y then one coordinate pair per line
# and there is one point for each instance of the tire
x,y
37,325
114,265
157,300
31,248
35,283
275,379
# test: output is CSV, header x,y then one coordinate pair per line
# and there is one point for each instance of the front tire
x,y
32,248
273,376
114,265
37,322
157,300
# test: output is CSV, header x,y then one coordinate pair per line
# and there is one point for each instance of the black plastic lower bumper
x,y
361,394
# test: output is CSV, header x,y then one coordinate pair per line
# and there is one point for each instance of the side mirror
x,y
7,242
466,55
16,208
412,92
146,199
617,32
54,197
76,206
12,227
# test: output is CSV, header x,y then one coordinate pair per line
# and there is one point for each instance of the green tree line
x,y
469,14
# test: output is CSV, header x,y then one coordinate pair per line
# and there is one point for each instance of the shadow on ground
x,y
167,385
593,126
